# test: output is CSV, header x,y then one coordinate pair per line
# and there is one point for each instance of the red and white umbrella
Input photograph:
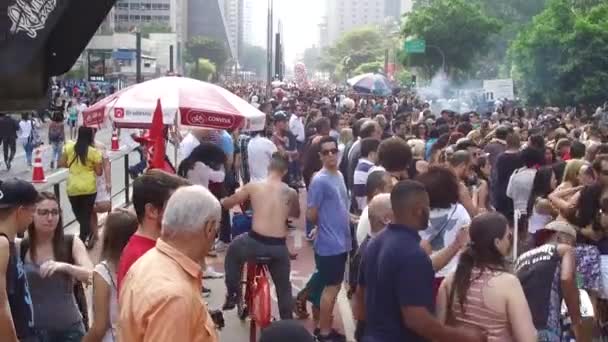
x,y
197,103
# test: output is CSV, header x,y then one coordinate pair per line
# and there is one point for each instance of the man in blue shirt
x,y
396,277
328,209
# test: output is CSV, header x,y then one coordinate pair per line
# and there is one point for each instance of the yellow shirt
x,y
82,178
161,300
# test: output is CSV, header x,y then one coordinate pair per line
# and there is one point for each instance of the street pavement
x,y
58,176
301,269
235,329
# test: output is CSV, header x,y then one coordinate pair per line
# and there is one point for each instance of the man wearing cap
x,y
17,204
548,275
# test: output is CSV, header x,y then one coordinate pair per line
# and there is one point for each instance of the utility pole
x,y
386,62
269,49
171,58
138,77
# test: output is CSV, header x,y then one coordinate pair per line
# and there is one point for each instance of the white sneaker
x,y
210,273
220,246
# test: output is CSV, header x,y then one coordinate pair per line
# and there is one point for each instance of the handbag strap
x,y
443,226
107,268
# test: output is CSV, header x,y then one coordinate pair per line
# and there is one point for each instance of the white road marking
x,y
346,312
297,235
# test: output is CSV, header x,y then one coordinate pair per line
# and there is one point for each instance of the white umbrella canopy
x,y
197,103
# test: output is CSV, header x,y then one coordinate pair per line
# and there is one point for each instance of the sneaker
x,y
206,292
231,302
333,336
210,273
220,246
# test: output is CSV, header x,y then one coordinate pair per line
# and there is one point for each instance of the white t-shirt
x,y
25,130
296,126
259,154
444,224
102,269
188,144
81,108
363,227
201,174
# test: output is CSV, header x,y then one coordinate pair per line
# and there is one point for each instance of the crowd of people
x,y
416,212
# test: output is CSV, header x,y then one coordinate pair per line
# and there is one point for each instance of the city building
x,y
345,15
232,11
248,28
119,54
206,18
168,16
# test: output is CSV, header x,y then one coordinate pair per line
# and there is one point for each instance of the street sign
x,y
414,46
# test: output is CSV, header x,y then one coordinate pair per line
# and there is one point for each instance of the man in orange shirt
x,y
160,299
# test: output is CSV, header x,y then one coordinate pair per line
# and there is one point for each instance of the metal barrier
x,y
58,180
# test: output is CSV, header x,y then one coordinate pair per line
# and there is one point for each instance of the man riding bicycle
x,y
273,202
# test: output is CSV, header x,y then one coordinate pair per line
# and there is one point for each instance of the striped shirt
x,y
478,315
362,171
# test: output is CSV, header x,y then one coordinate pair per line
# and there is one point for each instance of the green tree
x,y
353,48
202,70
457,27
148,28
369,67
562,58
254,58
204,47
312,58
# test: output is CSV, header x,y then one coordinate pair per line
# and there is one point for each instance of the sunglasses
x,y
327,152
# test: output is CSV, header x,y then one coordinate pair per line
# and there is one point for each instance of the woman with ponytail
x,y
482,294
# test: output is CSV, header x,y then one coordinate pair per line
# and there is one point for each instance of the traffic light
x,y
413,81
41,39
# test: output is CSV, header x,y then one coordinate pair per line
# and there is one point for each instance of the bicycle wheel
x,y
241,305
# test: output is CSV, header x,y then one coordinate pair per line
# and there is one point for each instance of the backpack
x,y
79,295
34,139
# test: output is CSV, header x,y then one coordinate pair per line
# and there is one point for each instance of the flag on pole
x,y
156,136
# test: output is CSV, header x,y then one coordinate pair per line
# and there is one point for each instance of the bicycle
x,y
254,300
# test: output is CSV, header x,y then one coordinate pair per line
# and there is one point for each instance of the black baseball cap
x,y
279,116
16,192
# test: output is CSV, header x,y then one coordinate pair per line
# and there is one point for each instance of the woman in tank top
x,y
120,225
53,264
482,294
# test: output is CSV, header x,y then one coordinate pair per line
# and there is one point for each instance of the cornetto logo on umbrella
x,y
119,113
93,118
198,118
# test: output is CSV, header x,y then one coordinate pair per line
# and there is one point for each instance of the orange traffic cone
x,y
38,173
115,146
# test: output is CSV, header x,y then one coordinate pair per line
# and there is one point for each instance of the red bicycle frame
x,y
256,298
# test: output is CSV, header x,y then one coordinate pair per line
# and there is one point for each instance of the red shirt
x,y
135,248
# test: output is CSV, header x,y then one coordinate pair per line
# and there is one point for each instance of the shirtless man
x,y
272,202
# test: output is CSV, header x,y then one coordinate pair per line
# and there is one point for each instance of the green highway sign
x,y
414,46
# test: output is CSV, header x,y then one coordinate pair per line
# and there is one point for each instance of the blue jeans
x,y
29,150
57,150
75,333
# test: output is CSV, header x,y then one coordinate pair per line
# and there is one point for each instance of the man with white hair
x,y
160,299
380,213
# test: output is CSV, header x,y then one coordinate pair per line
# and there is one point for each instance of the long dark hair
x,y
481,253
541,187
83,142
206,153
60,250
120,225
